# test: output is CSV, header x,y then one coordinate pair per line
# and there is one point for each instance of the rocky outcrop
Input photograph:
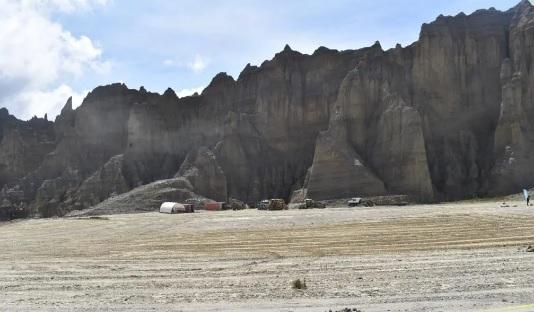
x,y
514,136
207,178
338,171
456,66
51,196
23,145
424,117
399,151
442,119
372,116
105,182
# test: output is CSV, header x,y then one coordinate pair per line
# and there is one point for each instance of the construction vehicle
x,y
358,201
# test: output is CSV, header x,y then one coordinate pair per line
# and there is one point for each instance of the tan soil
x,y
451,257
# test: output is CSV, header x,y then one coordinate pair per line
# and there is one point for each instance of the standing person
x,y
527,196
528,199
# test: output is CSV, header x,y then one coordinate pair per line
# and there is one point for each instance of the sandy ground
x,y
451,257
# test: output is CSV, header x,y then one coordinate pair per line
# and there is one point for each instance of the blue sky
x,y
183,44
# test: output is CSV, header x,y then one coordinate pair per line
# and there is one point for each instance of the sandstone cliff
x,y
442,119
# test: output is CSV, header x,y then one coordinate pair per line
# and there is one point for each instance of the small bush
x,y
298,284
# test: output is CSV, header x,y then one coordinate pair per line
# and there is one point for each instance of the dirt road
x,y
453,257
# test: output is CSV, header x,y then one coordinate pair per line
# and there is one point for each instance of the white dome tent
x,y
170,207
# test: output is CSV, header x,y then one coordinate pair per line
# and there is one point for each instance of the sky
x,y
53,49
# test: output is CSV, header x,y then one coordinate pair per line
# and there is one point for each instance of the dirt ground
x,y
449,257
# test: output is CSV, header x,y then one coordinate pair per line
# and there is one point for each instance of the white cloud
x,y
188,92
67,6
197,65
38,56
169,62
39,103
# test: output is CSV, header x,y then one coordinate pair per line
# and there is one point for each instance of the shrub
x,y
298,284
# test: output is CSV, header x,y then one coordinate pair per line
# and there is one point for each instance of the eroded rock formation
x,y
202,170
442,119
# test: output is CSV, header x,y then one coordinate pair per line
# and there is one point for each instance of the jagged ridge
x,y
442,119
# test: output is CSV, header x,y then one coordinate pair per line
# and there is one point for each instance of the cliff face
x,y
444,118
424,117
23,145
456,89
514,137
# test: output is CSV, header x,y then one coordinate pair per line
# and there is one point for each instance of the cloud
x,y
39,103
38,56
188,92
197,65
66,6
169,62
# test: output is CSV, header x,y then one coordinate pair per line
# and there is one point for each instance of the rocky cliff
x,y
442,119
